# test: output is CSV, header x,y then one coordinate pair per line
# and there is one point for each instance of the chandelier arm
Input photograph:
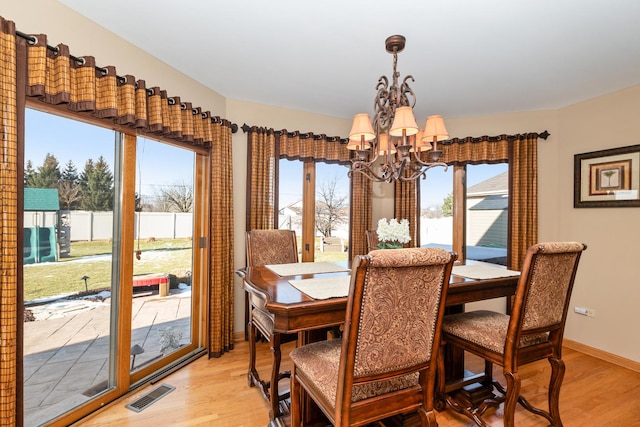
x,y
422,172
417,159
406,90
368,173
363,163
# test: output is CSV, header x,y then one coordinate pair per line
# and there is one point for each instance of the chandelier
x,y
389,148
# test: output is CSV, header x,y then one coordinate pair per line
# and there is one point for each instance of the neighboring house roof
x,y
293,208
41,199
498,184
492,203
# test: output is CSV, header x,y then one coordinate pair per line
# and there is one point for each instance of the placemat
x,y
296,268
323,287
482,272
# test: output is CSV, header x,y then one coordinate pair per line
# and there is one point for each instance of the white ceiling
x,y
468,57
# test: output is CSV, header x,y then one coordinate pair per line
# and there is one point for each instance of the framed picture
x,y
607,178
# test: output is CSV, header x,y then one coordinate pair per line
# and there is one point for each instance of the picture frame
x,y
607,178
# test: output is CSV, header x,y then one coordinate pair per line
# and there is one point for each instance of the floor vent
x,y
151,397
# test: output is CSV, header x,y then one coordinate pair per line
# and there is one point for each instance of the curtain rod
x,y
32,40
246,128
544,135
306,135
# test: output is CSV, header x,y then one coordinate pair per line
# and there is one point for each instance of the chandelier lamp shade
x,y
389,148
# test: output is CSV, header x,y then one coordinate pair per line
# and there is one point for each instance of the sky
x,y
158,164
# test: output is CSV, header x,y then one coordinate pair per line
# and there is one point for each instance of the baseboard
x,y
238,336
602,355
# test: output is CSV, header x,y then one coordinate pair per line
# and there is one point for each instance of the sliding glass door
x,y
69,199
161,317
114,263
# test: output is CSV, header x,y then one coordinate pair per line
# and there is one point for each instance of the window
x,y
487,213
483,208
436,215
328,227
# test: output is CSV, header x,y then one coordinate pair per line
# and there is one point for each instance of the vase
x,y
390,245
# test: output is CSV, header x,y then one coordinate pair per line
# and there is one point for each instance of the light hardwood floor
x,y
214,392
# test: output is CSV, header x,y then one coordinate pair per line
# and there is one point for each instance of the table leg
x,y
469,389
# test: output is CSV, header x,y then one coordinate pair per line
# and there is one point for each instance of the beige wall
x,y
608,276
608,280
84,37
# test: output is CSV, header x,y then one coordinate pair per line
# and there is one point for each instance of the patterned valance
x,y
56,77
307,146
479,150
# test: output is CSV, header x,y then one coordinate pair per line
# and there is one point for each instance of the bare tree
x,y
175,198
330,208
69,194
69,190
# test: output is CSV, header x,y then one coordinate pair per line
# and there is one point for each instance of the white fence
x,y
86,225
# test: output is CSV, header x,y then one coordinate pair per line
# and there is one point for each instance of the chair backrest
x,y
544,290
265,247
372,240
394,316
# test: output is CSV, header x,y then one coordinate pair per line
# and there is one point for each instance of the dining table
x,y
305,297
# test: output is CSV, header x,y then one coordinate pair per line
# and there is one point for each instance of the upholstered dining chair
x,y
372,240
385,363
533,331
267,247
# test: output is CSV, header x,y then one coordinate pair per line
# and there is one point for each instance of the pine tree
x,y
29,172
96,182
47,176
447,205
70,172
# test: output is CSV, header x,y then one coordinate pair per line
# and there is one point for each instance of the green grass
x,y
92,259
330,256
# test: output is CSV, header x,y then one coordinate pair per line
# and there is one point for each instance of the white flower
x,y
393,231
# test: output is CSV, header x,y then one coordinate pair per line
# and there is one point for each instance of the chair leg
x,y
275,376
511,398
441,382
427,414
427,418
557,375
252,376
296,414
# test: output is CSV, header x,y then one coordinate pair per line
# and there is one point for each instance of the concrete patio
x,y
66,348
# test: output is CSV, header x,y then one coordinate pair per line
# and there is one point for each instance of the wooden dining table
x,y
294,311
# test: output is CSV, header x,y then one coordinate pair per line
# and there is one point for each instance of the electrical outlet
x,y
585,311
580,310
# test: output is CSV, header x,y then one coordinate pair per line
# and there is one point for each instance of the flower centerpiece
x,y
393,234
